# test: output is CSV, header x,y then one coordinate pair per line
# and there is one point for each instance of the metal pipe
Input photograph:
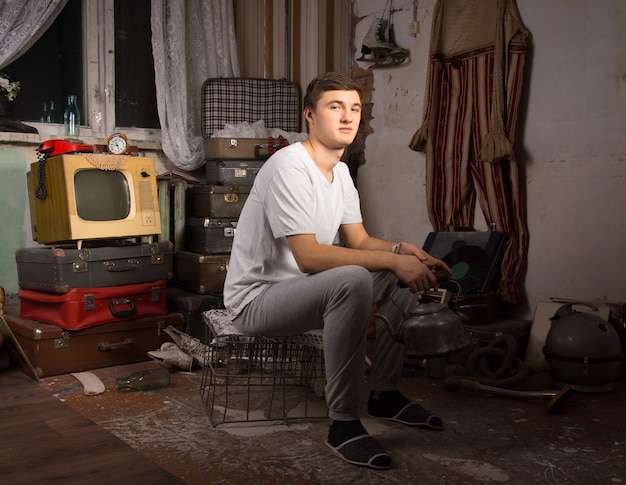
x,y
556,397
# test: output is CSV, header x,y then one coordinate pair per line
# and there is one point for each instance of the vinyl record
x,y
469,265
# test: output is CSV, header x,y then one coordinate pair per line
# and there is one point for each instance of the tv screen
x,y
102,195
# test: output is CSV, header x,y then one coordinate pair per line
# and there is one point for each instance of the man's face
x,y
336,118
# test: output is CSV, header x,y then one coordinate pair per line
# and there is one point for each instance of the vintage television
x,y
71,199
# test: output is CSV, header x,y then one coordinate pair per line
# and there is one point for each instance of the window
x,y
101,51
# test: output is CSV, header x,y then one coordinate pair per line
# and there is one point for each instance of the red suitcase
x,y
87,307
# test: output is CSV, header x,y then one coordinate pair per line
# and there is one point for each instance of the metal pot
x,y
583,350
430,330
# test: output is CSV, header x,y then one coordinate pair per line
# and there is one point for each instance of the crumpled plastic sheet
x,y
257,129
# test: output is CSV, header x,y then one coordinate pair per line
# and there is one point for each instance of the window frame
x,y
98,85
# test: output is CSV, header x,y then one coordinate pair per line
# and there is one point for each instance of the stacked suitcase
x,y
97,306
213,208
92,304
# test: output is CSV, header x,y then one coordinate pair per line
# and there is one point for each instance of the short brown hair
x,y
330,81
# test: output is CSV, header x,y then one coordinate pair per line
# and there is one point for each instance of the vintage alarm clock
x,y
117,144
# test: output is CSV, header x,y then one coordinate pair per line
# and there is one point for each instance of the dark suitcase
x,y
206,235
58,270
200,272
237,100
232,172
191,305
51,350
216,200
88,307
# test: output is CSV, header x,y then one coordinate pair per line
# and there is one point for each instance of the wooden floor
x,y
51,432
42,440
48,435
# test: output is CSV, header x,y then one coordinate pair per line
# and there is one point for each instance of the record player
x,y
475,258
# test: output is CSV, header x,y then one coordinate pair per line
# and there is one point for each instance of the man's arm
x,y
411,265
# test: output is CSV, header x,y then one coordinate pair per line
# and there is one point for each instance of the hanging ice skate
x,y
375,47
382,49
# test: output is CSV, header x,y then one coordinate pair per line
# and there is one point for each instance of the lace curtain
x,y
22,22
191,41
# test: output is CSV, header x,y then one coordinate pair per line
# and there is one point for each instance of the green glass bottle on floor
x,y
144,380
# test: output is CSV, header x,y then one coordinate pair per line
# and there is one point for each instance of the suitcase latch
x,y
233,143
231,198
63,341
80,266
158,259
89,302
156,293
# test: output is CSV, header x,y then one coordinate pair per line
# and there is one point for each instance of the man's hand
x,y
417,269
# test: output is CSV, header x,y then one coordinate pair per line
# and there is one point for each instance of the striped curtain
x,y
293,39
474,83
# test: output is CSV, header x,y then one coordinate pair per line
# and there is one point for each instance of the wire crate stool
x,y
260,379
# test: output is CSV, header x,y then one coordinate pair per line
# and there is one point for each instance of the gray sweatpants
x,y
339,301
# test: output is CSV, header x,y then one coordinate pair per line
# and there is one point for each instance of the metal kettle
x,y
430,330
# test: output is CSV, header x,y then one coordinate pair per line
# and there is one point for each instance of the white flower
x,y
8,89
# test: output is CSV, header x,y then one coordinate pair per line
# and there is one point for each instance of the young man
x,y
302,260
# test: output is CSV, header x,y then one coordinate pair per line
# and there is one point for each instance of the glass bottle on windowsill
x,y
44,113
53,116
144,380
71,118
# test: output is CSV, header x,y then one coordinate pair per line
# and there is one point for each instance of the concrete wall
x,y
572,144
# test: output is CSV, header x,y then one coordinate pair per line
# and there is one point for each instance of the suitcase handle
x,y
122,313
106,346
118,267
270,146
258,154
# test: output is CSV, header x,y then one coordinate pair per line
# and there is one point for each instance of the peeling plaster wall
x,y
572,144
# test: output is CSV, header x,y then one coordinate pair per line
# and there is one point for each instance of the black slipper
x,y
412,414
363,450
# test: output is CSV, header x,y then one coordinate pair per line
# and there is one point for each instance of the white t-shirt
x,y
290,196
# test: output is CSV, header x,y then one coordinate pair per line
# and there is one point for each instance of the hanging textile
x,y
22,23
475,73
191,42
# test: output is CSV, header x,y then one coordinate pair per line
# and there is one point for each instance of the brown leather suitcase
x,y
51,350
243,148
